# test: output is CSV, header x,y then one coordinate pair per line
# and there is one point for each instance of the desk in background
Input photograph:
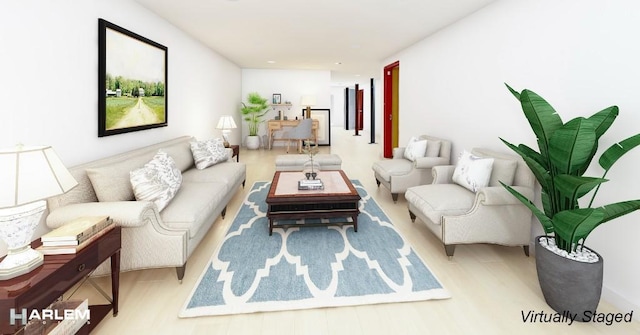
x,y
276,125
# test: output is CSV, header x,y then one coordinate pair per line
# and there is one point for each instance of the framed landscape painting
x,y
132,81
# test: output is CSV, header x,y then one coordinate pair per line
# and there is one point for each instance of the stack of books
x,y
310,184
75,235
63,318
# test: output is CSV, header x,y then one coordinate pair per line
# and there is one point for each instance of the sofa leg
x,y
394,196
412,216
449,249
378,182
180,271
526,250
224,212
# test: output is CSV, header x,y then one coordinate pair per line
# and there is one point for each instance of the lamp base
x,y
16,264
17,225
225,137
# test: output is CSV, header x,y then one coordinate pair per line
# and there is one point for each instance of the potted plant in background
x,y
253,113
569,273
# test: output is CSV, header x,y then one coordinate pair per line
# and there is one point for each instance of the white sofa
x,y
457,215
151,239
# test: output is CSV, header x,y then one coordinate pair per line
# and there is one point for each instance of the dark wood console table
x,y
42,286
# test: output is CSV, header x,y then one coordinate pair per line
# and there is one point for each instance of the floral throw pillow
x,y
157,181
415,149
208,153
472,172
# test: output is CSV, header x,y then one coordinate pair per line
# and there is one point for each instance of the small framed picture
x,y
277,98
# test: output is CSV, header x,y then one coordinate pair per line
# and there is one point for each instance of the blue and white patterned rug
x,y
310,267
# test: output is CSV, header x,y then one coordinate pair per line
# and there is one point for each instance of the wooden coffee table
x,y
338,199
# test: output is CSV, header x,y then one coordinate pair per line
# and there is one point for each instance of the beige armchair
x,y
398,174
457,215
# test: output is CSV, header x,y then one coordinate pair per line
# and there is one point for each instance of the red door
x,y
390,109
360,109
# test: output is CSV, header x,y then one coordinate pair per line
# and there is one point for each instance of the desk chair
x,y
301,132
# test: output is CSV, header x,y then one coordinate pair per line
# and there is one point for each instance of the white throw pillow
x,y
472,172
157,181
208,153
415,149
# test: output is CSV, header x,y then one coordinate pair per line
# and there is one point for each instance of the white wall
x,y
49,78
292,85
581,56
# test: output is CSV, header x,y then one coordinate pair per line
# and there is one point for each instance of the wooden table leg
x,y
115,281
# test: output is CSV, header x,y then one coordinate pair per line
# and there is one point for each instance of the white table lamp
x,y
226,123
308,101
28,175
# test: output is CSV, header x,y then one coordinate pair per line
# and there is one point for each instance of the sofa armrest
x,y
123,213
398,152
442,174
498,195
429,162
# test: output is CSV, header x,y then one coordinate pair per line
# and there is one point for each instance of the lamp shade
x,y
308,100
29,174
226,122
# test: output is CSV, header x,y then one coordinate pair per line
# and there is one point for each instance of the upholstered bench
x,y
296,162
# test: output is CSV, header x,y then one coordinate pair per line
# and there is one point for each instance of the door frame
x,y
390,133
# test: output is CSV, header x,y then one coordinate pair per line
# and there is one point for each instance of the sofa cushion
x,y
227,173
157,181
437,200
194,202
392,167
415,148
472,172
181,154
112,182
208,153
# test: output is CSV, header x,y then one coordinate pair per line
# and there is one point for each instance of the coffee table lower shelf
x,y
276,218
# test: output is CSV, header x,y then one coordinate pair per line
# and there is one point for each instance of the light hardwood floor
x,y
491,286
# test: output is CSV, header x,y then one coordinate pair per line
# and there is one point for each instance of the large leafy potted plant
x,y
569,283
253,113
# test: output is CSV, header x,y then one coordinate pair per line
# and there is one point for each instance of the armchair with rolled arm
x,y
398,174
457,215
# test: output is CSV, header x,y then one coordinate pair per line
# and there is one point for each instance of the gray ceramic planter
x,y
568,285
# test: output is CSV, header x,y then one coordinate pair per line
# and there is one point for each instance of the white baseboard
x,y
617,300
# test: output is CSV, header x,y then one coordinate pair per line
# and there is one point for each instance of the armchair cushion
x,y
392,167
415,149
472,172
437,200
503,170
433,148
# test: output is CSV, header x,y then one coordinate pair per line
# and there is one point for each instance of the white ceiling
x,y
312,34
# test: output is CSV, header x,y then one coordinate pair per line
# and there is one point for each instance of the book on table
x,y
73,249
310,184
76,231
77,316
